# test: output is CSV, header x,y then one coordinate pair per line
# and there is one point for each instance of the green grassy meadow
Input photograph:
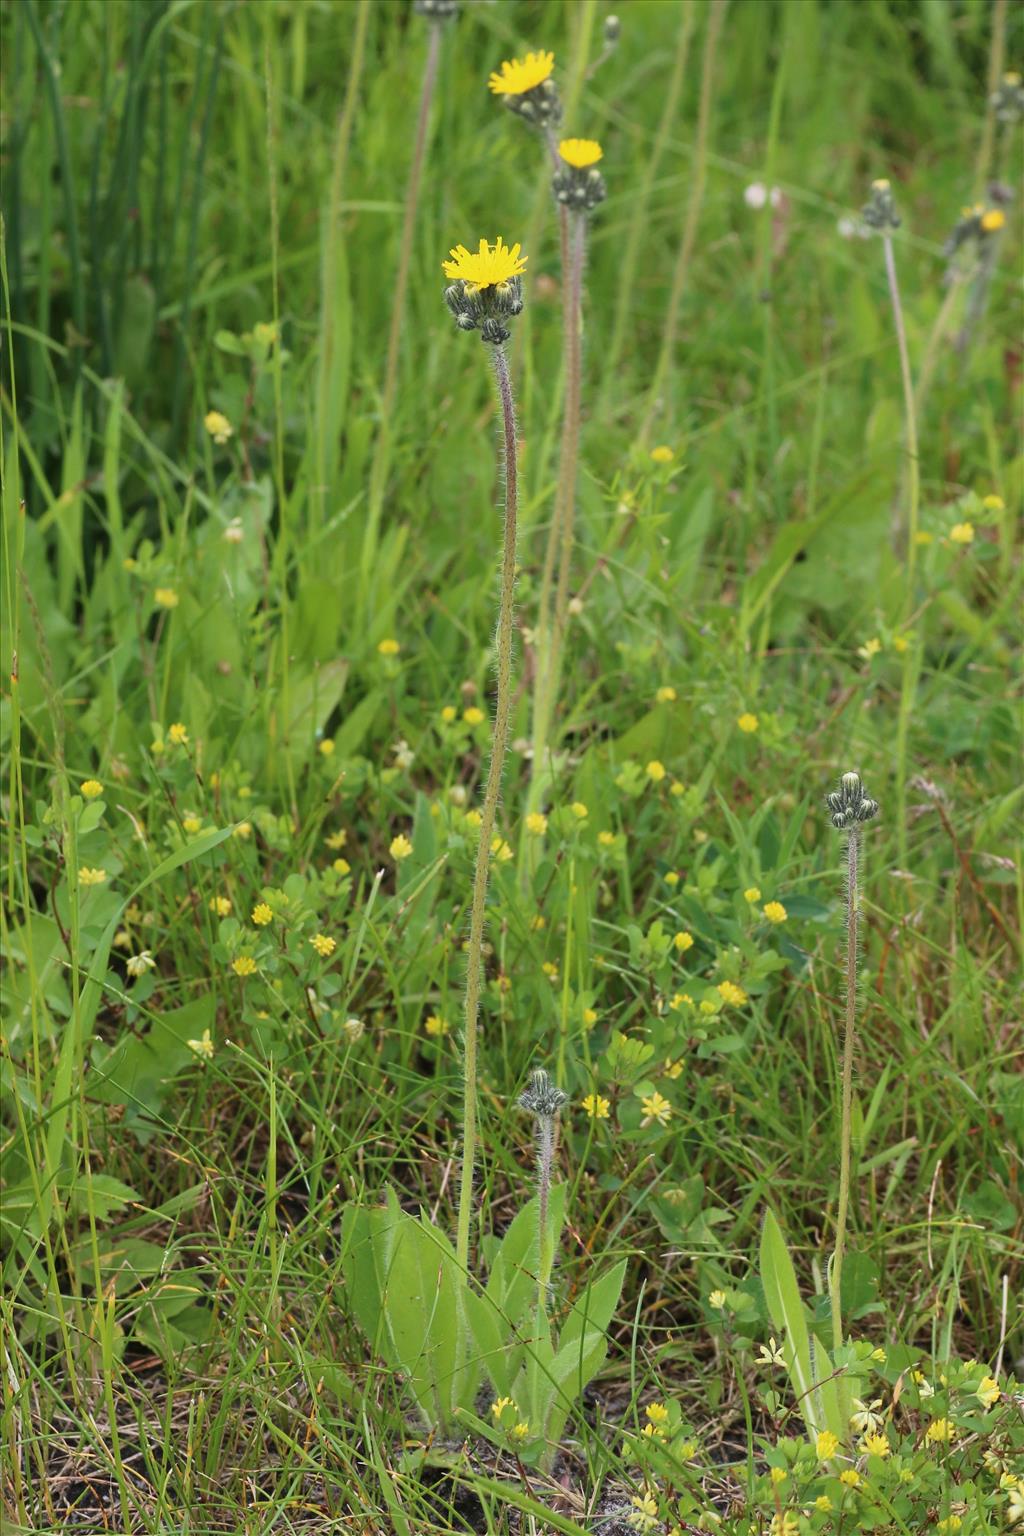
x,y
249,593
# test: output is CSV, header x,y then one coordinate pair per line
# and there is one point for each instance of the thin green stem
x,y
379,467
911,657
569,321
478,911
716,18
849,1040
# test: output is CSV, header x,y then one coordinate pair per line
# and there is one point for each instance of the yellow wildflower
x,y
666,694
663,454
487,266
729,992
993,504
752,894
939,1432
993,220
262,914
962,533
166,597
435,1025
876,1445
606,839
448,713
656,771
473,715
91,788
826,1445
202,1048
536,823
590,1017
341,866
748,723
850,1477
778,1475
683,941
657,1413
220,905
517,76
580,152
400,847
178,734
988,1391
501,850
596,1107
191,825
775,912
389,647
717,1299
326,747
579,810
87,876
870,648
656,1108
500,1404
245,965
323,944
244,830
823,1504
521,1430
336,840
784,1524
218,426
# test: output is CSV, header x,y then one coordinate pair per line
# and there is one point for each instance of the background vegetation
x,y
203,205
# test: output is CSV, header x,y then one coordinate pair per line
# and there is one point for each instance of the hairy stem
x,y
474,963
849,1040
378,469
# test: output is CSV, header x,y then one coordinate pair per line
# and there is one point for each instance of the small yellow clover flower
x,y
324,944
748,723
962,533
775,912
218,426
91,788
400,848
596,1106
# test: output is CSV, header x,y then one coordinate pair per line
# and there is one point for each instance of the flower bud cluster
x,y
1008,100
485,309
542,1098
849,805
880,212
974,224
579,187
436,10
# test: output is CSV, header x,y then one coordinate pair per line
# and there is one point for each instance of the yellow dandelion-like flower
x,y
606,839
245,965
336,841
244,830
262,914
775,912
663,454
178,734
91,788
962,533
657,1413
218,426
87,876
324,944
729,992
850,1477
473,818
579,810
389,647
748,723
536,823
939,1432
487,266
580,152
166,597
517,76
665,695
435,1025
876,1445
823,1504
473,715
656,771
677,788
752,894
870,648
784,1524
220,906
500,1404
683,941
993,220
191,825
672,878
400,848
448,713
521,1430
826,1445
326,747
596,1107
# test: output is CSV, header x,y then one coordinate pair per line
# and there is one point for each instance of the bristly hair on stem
x,y
850,808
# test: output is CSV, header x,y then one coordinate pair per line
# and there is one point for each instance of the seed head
x,y
849,806
436,10
542,1098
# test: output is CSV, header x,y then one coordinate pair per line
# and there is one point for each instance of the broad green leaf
x,y
594,1309
808,1362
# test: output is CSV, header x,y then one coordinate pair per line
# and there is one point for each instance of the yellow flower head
x,y
665,695
389,647
993,220
655,771
939,1431
579,810
202,1048
166,597
826,1445
683,941
262,914
729,992
851,1477
326,747
748,723
220,905
400,848
87,876
473,715
178,734
191,825
993,503
663,454
752,894
536,823
489,265
323,944
245,965
657,1413
517,76
580,152
218,426
435,1025
962,533
775,912
91,788
596,1107
655,1107
988,1391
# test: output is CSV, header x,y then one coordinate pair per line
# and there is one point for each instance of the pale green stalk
x,y
716,18
638,222
379,467
849,1039
478,910
997,49
911,657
